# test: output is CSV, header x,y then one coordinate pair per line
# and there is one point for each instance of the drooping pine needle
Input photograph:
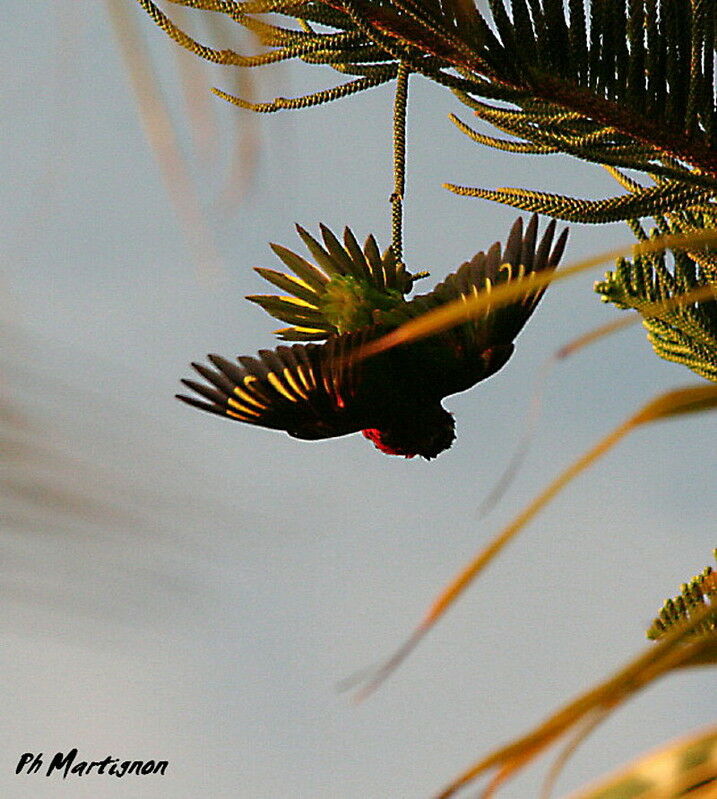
x,y
676,650
399,160
589,723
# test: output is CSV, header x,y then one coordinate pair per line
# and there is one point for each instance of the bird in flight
x,y
350,297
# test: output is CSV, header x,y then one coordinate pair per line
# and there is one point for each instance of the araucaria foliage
x,y
627,84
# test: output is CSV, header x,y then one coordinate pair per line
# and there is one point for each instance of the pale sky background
x,y
177,587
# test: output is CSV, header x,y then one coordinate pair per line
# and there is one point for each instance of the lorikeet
x,y
349,298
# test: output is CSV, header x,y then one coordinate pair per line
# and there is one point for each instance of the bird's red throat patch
x,y
374,435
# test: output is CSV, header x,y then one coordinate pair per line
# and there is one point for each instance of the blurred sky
x,y
181,588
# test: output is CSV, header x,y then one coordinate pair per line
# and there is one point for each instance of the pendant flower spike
x,y
349,297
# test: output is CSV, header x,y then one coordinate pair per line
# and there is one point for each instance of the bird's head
x,y
426,433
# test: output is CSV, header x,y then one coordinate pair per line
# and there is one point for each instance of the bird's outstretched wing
x,y
310,391
339,293
486,342
515,262
314,391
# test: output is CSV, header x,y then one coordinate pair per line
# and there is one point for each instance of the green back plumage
x,y
348,288
340,292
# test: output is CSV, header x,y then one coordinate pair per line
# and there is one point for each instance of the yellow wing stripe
x,y
274,380
237,416
242,408
314,330
297,301
299,281
308,386
514,273
256,390
246,397
290,380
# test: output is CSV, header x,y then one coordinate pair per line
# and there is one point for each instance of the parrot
x,y
349,297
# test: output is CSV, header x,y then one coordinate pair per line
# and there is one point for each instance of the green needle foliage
x,y
700,592
627,84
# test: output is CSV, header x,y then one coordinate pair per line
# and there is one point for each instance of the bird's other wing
x,y
310,391
520,257
484,344
338,292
